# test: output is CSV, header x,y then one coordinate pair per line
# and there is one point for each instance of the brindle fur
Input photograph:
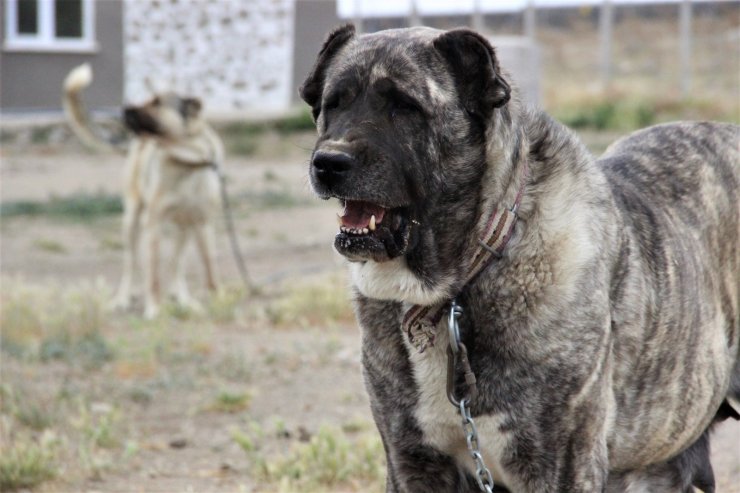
x,y
606,337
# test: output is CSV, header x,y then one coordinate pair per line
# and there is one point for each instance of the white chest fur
x,y
440,421
393,280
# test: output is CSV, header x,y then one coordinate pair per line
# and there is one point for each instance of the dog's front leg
x,y
179,285
151,274
412,465
204,241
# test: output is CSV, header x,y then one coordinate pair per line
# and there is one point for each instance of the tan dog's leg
x,y
131,229
204,241
151,270
179,287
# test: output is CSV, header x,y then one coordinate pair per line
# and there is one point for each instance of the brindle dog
x,y
604,335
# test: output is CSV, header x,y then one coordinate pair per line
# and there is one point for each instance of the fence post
x,y
684,22
357,19
477,18
606,24
530,21
414,18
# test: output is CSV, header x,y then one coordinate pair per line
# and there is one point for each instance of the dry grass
x,y
329,460
322,302
98,366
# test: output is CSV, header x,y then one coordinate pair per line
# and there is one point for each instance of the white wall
x,y
234,54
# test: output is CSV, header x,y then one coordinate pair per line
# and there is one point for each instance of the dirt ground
x,y
223,402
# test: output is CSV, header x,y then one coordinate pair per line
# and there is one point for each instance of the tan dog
x,y
171,177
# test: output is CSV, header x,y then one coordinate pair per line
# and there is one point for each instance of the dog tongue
x,y
357,214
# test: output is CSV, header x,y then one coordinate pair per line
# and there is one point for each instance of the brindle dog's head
x,y
166,115
402,117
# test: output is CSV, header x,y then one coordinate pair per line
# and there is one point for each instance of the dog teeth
x,y
371,225
339,220
354,231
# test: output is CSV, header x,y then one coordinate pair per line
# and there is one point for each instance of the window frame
x,y
45,39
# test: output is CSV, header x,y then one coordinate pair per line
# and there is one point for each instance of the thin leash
x,y
229,220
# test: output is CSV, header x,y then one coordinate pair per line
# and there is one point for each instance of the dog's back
x,y
676,188
684,177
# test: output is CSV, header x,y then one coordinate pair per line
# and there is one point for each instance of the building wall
x,y
236,55
314,19
32,81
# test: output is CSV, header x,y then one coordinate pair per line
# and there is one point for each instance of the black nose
x,y
330,167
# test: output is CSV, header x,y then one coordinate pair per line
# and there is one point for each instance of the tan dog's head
x,y
166,115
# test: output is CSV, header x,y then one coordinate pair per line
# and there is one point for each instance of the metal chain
x,y
483,475
456,350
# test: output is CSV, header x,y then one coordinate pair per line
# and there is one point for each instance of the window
x,y
49,25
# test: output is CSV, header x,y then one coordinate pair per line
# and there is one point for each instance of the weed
x,y
55,323
317,304
99,425
234,367
356,425
111,243
224,304
245,442
51,246
243,146
40,134
25,465
329,460
33,416
230,402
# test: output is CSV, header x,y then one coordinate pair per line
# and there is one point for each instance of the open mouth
x,y
369,231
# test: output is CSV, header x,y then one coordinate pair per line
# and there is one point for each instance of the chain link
x,y
483,475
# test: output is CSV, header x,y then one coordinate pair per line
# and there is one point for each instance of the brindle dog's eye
x,y
332,102
402,104
156,101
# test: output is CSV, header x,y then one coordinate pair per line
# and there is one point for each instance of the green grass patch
x,y
625,114
100,426
230,402
299,122
48,245
243,138
25,465
54,323
323,303
81,206
330,459
226,303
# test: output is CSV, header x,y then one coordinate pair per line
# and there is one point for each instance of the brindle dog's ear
x,y
475,68
313,86
190,107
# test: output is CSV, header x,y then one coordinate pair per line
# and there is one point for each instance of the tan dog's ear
x,y
313,87
190,107
477,74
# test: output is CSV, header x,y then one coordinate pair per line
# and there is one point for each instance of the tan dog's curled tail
x,y
74,109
